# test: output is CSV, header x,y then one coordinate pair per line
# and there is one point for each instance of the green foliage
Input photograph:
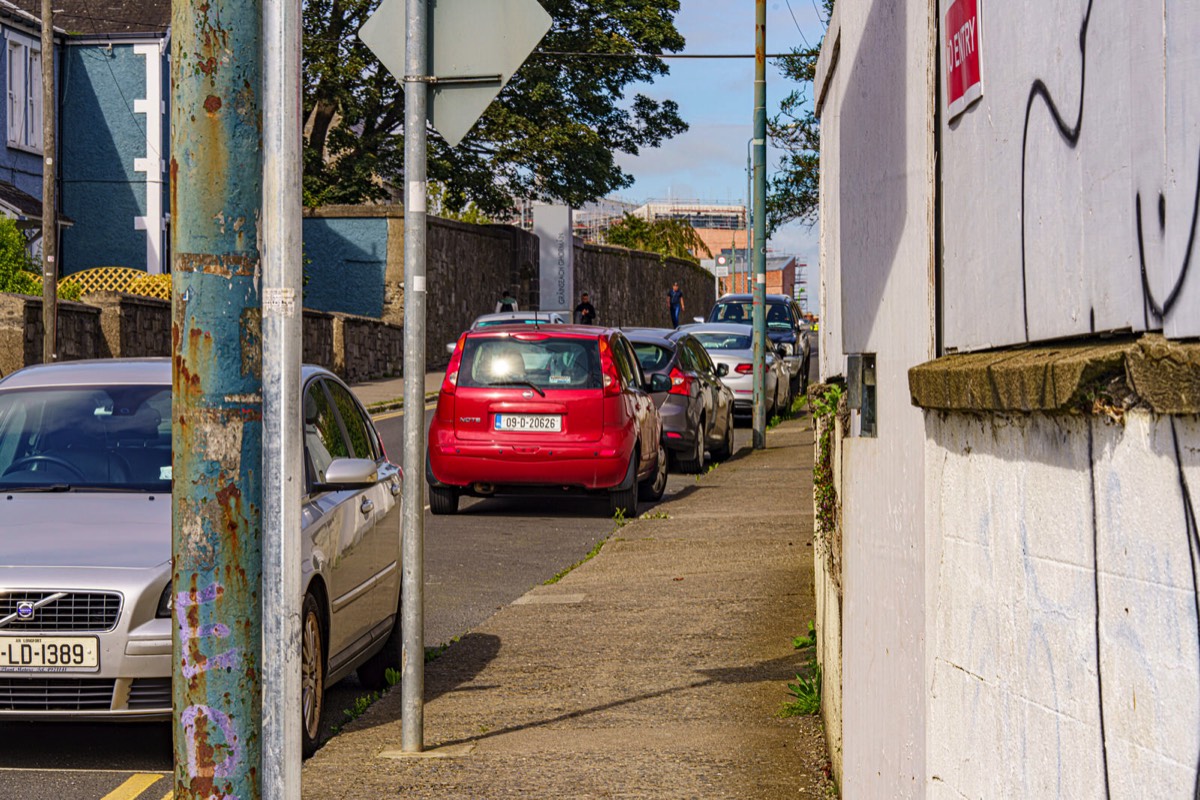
x,y
667,237
655,515
440,208
793,192
801,642
393,676
806,694
18,274
595,551
69,290
824,406
552,134
361,704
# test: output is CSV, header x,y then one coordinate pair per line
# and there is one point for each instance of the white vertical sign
x,y
552,225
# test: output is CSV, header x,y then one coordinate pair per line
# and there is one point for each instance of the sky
x,y
716,99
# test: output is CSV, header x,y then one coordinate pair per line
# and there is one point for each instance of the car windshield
x,y
741,312
111,438
652,356
724,341
547,363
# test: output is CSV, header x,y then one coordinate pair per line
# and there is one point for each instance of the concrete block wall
x,y
132,326
21,331
1064,640
629,288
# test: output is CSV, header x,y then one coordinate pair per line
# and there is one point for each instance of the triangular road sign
x,y
486,40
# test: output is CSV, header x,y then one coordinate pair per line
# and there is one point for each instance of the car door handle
x,y
394,488
367,506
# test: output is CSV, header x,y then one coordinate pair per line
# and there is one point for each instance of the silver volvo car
x,y
85,543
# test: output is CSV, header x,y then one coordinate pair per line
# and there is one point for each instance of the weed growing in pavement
x,y
656,515
432,653
590,555
775,420
363,702
619,518
806,692
801,642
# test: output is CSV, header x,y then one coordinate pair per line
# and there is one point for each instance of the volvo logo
x,y
25,610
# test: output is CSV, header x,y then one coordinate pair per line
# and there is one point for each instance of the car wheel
x,y
693,464
725,450
625,500
373,673
653,488
443,500
312,673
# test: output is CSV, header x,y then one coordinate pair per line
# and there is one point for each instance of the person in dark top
x,y
675,303
507,302
585,312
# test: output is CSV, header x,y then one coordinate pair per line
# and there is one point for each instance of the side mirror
x,y
722,370
658,383
450,347
698,319
350,473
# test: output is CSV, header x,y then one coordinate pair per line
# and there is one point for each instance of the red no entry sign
x,y
960,53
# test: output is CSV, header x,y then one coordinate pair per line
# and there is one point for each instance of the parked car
x,y
733,345
516,318
697,409
85,482
554,408
785,327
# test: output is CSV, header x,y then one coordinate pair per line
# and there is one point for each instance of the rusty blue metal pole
x,y
216,194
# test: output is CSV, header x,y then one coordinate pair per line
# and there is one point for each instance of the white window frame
x,y
23,74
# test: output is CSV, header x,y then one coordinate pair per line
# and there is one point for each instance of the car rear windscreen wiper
x,y
530,384
39,487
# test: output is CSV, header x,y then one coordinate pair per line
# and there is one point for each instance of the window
x,y
24,70
356,427
545,363
322,435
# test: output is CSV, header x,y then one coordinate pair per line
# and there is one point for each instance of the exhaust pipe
x,y
485,488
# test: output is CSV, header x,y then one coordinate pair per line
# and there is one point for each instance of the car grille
x,y
75,611
145,693
23,694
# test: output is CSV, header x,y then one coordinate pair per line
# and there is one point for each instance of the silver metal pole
x,y
749,211
49,201
282,257
760,227
412,587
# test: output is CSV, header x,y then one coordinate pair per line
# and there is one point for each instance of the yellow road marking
x,y
399,413
169,795
133,787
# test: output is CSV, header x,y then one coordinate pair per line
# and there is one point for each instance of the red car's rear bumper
x,y
594,465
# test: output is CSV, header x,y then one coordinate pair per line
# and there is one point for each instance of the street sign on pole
x,y
466,50
474,48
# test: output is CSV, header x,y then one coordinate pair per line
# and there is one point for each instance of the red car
x,y
546,408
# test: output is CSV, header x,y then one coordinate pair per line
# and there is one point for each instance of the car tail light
x,y
744,369
608,368
681,383
450,383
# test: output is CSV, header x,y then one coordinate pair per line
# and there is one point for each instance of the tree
x,y
674,238
793,192
552,134
17,271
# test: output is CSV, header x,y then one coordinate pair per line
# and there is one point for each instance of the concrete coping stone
x,y
1148,371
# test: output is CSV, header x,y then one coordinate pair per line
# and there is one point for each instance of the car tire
x,y
443,500
373,673
694,464
725,449
625,500
652,489
312,674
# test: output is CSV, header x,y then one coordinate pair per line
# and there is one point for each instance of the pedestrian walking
x,y
585,312
675,303
507,302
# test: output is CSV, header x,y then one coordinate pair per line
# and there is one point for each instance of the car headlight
x,y
166,603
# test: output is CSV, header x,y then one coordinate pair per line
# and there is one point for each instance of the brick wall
x,y
629,288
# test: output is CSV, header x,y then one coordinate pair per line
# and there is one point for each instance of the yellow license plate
x,y
49,654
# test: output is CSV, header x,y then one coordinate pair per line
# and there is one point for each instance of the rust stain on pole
x,y
216,407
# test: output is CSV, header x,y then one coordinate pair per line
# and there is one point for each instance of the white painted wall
x,y
877,297
1032,519
1129,104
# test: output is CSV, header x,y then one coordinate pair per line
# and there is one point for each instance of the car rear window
x,y
652,357
549,363
489,323
724,341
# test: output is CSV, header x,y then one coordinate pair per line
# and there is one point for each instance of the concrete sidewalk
x,y
654,670
387,394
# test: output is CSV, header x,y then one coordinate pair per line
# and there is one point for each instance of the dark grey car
x,y
85,484
697,411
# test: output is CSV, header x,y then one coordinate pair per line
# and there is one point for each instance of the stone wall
x,y
629,288
317,332
368,348
21,331
132,326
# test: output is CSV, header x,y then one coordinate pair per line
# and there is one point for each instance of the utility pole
x,y
216,420
412,580
760,223
282,450
49,196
